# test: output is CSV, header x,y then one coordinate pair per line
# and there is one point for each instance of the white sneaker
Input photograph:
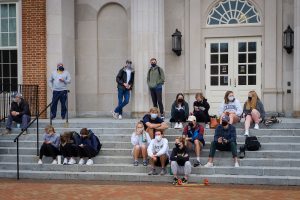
x,y
176,125
115,115
246,133
72,161
81,161
256,126
207,126
209,164
40,162
236,164
65,161
120,117
54,162
180,125
89,162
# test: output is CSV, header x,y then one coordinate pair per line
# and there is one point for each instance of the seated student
x,y
19,112
140,140
152,121
253,111
193,134
179,111
87,147
231,107
68,147
201,107
158,151
50,145
224,140
180,163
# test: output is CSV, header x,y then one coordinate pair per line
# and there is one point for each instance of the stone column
x,y
147,41
296,52
61,44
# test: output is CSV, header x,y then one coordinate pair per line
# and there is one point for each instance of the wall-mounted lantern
x,y
176,42
288,39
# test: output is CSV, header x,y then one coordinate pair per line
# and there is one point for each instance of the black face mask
x,y
224,124
249,98
153,64
180,100
61,68
191,124
177,146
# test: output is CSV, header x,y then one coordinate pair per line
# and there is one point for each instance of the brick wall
x,y
34,46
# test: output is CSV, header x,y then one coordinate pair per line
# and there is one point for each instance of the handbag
x,y
214,122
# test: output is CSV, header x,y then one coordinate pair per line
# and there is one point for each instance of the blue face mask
x,y
153,64
61,68
153,116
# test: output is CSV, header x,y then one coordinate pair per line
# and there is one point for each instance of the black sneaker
x,y
175,181
184,181
197,163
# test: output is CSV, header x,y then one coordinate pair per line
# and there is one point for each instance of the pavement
x,y
12,189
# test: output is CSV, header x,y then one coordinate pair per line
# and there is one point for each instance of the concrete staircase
x,y
277,163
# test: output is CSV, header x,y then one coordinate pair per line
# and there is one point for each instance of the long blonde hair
x,y
252,104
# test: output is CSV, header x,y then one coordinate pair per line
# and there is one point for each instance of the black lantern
x,y
288,39
176,42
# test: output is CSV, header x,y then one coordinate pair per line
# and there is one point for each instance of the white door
x,y
232,64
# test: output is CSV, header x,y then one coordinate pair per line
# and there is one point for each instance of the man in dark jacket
x,y
125,79
224,140
19,112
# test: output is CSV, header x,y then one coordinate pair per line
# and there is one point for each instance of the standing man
x,y
58,83
155,81
125,79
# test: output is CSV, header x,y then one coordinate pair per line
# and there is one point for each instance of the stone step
x,y
129,168
128,145
205,152
141,177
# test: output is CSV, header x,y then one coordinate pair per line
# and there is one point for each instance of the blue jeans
x,y
62,97
23,120
123,99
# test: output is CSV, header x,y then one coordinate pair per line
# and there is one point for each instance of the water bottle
x,y
59,159
18,125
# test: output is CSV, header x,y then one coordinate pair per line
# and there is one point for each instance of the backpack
x,y
271,120
252,143
99,145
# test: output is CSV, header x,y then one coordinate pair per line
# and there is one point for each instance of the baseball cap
x,y
225,118
191,118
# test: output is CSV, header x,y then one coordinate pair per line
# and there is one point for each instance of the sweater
x,y
155,77
53,138
228,134
144,138
160,148
185,107
259,107
234,106
57,85
180,156
22,108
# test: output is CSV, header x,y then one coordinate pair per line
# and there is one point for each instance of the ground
x,y
11,189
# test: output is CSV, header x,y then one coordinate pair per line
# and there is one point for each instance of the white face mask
x,y
139,130
158,138
153,115
231,98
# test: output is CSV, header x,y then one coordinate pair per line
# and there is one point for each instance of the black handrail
x,y
37,131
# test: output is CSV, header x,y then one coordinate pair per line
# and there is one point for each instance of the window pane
x,y
14,70
251,80
6,84
224,58
4,25
1,70
214,58
224,69
6,70
14,84
223,80
214,69
4,10
214,80
5,56
214,47
252,58
242,46
251,46
223,47
13,56
242,80
12,25
242,58
4,39
12,39
12,10
251,69
242,69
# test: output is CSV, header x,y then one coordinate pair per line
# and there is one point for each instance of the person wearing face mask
x,y
19,112
140,140
253,111
152,122
231,107
50,146
155,81
179,111
201,107
193,134
180,163
58,82
158,151
224,140
125,79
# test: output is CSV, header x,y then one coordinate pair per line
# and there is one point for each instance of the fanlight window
x,y
233,12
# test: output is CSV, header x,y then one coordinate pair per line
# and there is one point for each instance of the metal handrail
x,y
37,131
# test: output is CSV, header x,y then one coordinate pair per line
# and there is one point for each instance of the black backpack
x,y
252,143
99,145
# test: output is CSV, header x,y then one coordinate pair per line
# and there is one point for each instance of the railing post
x,y
37,120
18,175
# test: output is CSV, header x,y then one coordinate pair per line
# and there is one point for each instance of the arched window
x,y
233,12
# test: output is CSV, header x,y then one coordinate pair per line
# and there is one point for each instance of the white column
x,y
61,43
296,52
147,41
